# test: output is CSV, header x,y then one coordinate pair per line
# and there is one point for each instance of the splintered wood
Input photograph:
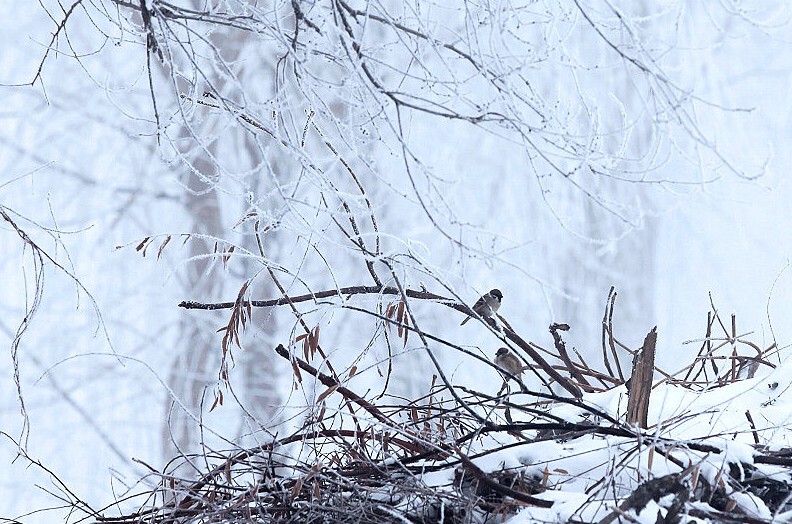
x,y
640,384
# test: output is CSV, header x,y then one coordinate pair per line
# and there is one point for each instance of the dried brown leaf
x,y
227,255
218,401
315,469
242,290
297,488
326,393
694,478
162,246
248,215
142,244
296,369
314,340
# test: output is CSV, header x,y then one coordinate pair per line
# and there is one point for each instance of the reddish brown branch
x,y
560,345
607,329
350,290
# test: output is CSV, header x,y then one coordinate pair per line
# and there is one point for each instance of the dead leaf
x,y
162,246
227,255
314,340
326,393
296,369
297,488
218,401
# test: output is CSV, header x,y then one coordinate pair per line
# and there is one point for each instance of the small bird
x,y
487,305
506,360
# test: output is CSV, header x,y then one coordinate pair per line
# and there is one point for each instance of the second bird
x,y
487,305
505,359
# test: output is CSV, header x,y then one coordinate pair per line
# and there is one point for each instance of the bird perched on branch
x,y
508,361
487,305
